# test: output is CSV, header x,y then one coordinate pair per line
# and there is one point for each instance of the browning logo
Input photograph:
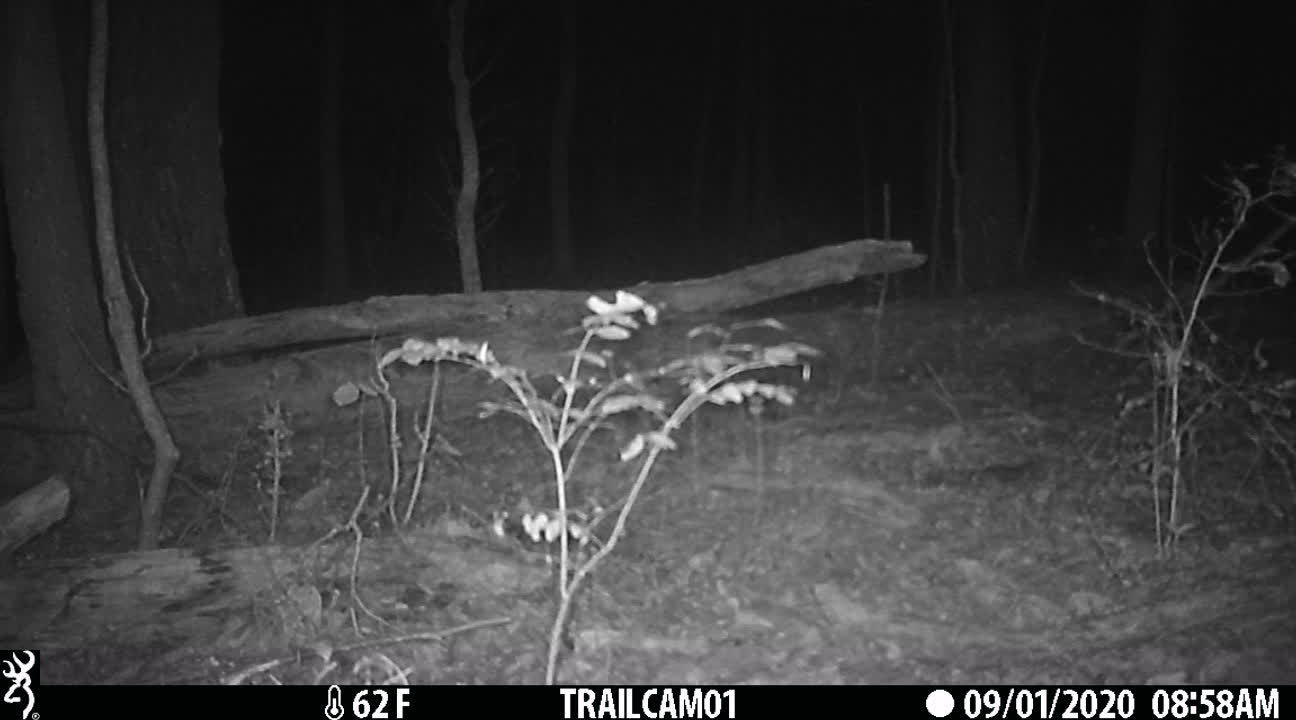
x,y
21,670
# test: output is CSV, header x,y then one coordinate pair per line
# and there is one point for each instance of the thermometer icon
x,y
333,710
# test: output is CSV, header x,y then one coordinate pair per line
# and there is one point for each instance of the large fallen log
x,y
381,316
173,595
210,406
29,514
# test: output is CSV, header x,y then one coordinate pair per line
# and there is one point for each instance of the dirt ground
x,y
966,509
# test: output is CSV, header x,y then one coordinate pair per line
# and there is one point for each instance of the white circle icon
x,y
939,703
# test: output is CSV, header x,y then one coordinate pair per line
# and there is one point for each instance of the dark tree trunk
x,y
9,328
336,263
1035,149
764,190
865,132
935,133
58,289
469,154
560,150
992,207
952,146
1147,190
702,138
121,314
165,149
740,180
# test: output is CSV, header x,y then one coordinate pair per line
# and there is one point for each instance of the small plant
x,y
278,436
582,401
424,432
1190,381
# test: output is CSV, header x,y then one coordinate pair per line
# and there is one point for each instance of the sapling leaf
x,y
589,358
611,332
642,441
346,394
633,448
625,303
725,394
784,395
616,404
659,439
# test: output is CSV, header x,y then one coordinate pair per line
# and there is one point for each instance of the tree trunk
x,y
58,297
764,190
1035,150
992,199
1146,192
469,155
740,181
933,168
164,123
864,138
121,314
9,329
701,140
935,174
560,151
336,264
958,238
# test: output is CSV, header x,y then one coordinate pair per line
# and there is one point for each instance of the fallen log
x,y
210,406
176,595
32,512
382,316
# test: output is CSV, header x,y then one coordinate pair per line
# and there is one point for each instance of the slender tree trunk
x,y
993,209
952,147
740,181
58,296
934,155
560,151
1170,178
864,129
336,265
701,140
1145,195
936,185
740,188
764,189
1035,150
9,328
609,187
469,155
164,117
121,316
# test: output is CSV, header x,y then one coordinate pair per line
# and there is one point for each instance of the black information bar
x,y
56,702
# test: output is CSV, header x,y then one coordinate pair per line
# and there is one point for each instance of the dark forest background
x,y
268,155
678,105
702,136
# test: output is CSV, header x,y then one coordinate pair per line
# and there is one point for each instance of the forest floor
x,y
968,509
